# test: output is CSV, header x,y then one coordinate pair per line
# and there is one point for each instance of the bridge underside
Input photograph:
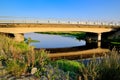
x,y
49,29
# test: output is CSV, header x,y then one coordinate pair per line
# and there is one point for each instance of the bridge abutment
x,y
18,37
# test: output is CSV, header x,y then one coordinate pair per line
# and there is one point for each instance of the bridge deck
x,y
25,28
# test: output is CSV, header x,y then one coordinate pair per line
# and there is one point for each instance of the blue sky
x,y
81,9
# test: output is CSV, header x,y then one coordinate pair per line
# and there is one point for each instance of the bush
x,y
109,68
68,65
10,48
15,67
73,67
106,68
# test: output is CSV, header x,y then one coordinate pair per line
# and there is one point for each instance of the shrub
x,y
73,67
68,65
10,48
16,67
109,68
106,68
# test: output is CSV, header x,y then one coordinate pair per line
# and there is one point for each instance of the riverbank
x,y
78,35
19,61
98,52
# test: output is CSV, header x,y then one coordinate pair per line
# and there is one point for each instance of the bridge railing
x,y
4,20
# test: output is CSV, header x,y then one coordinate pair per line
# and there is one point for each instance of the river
x,y
53,41
65,46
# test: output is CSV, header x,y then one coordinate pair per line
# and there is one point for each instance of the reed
x,y
106,68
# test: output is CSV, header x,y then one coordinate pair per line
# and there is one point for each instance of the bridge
x,y
18,27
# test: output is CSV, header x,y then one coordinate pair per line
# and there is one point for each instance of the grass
x,y
78,35
68,65
71,66
114,40
116,43
107,68
31,40
34,41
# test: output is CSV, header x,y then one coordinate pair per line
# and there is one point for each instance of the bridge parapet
x,y
36,20
32,25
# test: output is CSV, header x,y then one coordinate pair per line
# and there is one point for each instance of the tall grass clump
x,y
109,68
106,68
13,55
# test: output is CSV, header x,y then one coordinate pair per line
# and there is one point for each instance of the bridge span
x,y
26,28
18,28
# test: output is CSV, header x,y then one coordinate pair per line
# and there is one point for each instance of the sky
x,y
76,9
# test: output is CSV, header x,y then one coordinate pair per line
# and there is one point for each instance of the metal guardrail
x,y
10,19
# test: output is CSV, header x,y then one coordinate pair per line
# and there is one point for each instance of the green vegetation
x,y
29,40
68,65
104,68
78,35
107,68
114,40
20,59
116,43
73,67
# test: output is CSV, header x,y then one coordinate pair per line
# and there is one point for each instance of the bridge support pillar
x,y
18,37
99,39
99,44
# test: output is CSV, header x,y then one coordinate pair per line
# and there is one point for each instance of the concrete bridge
x,y
17,25
18,28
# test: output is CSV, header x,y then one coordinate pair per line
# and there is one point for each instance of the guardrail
x,y
5,20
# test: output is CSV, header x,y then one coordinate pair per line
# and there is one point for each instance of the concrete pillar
x,y
99,36
99,44
19,37
99,40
